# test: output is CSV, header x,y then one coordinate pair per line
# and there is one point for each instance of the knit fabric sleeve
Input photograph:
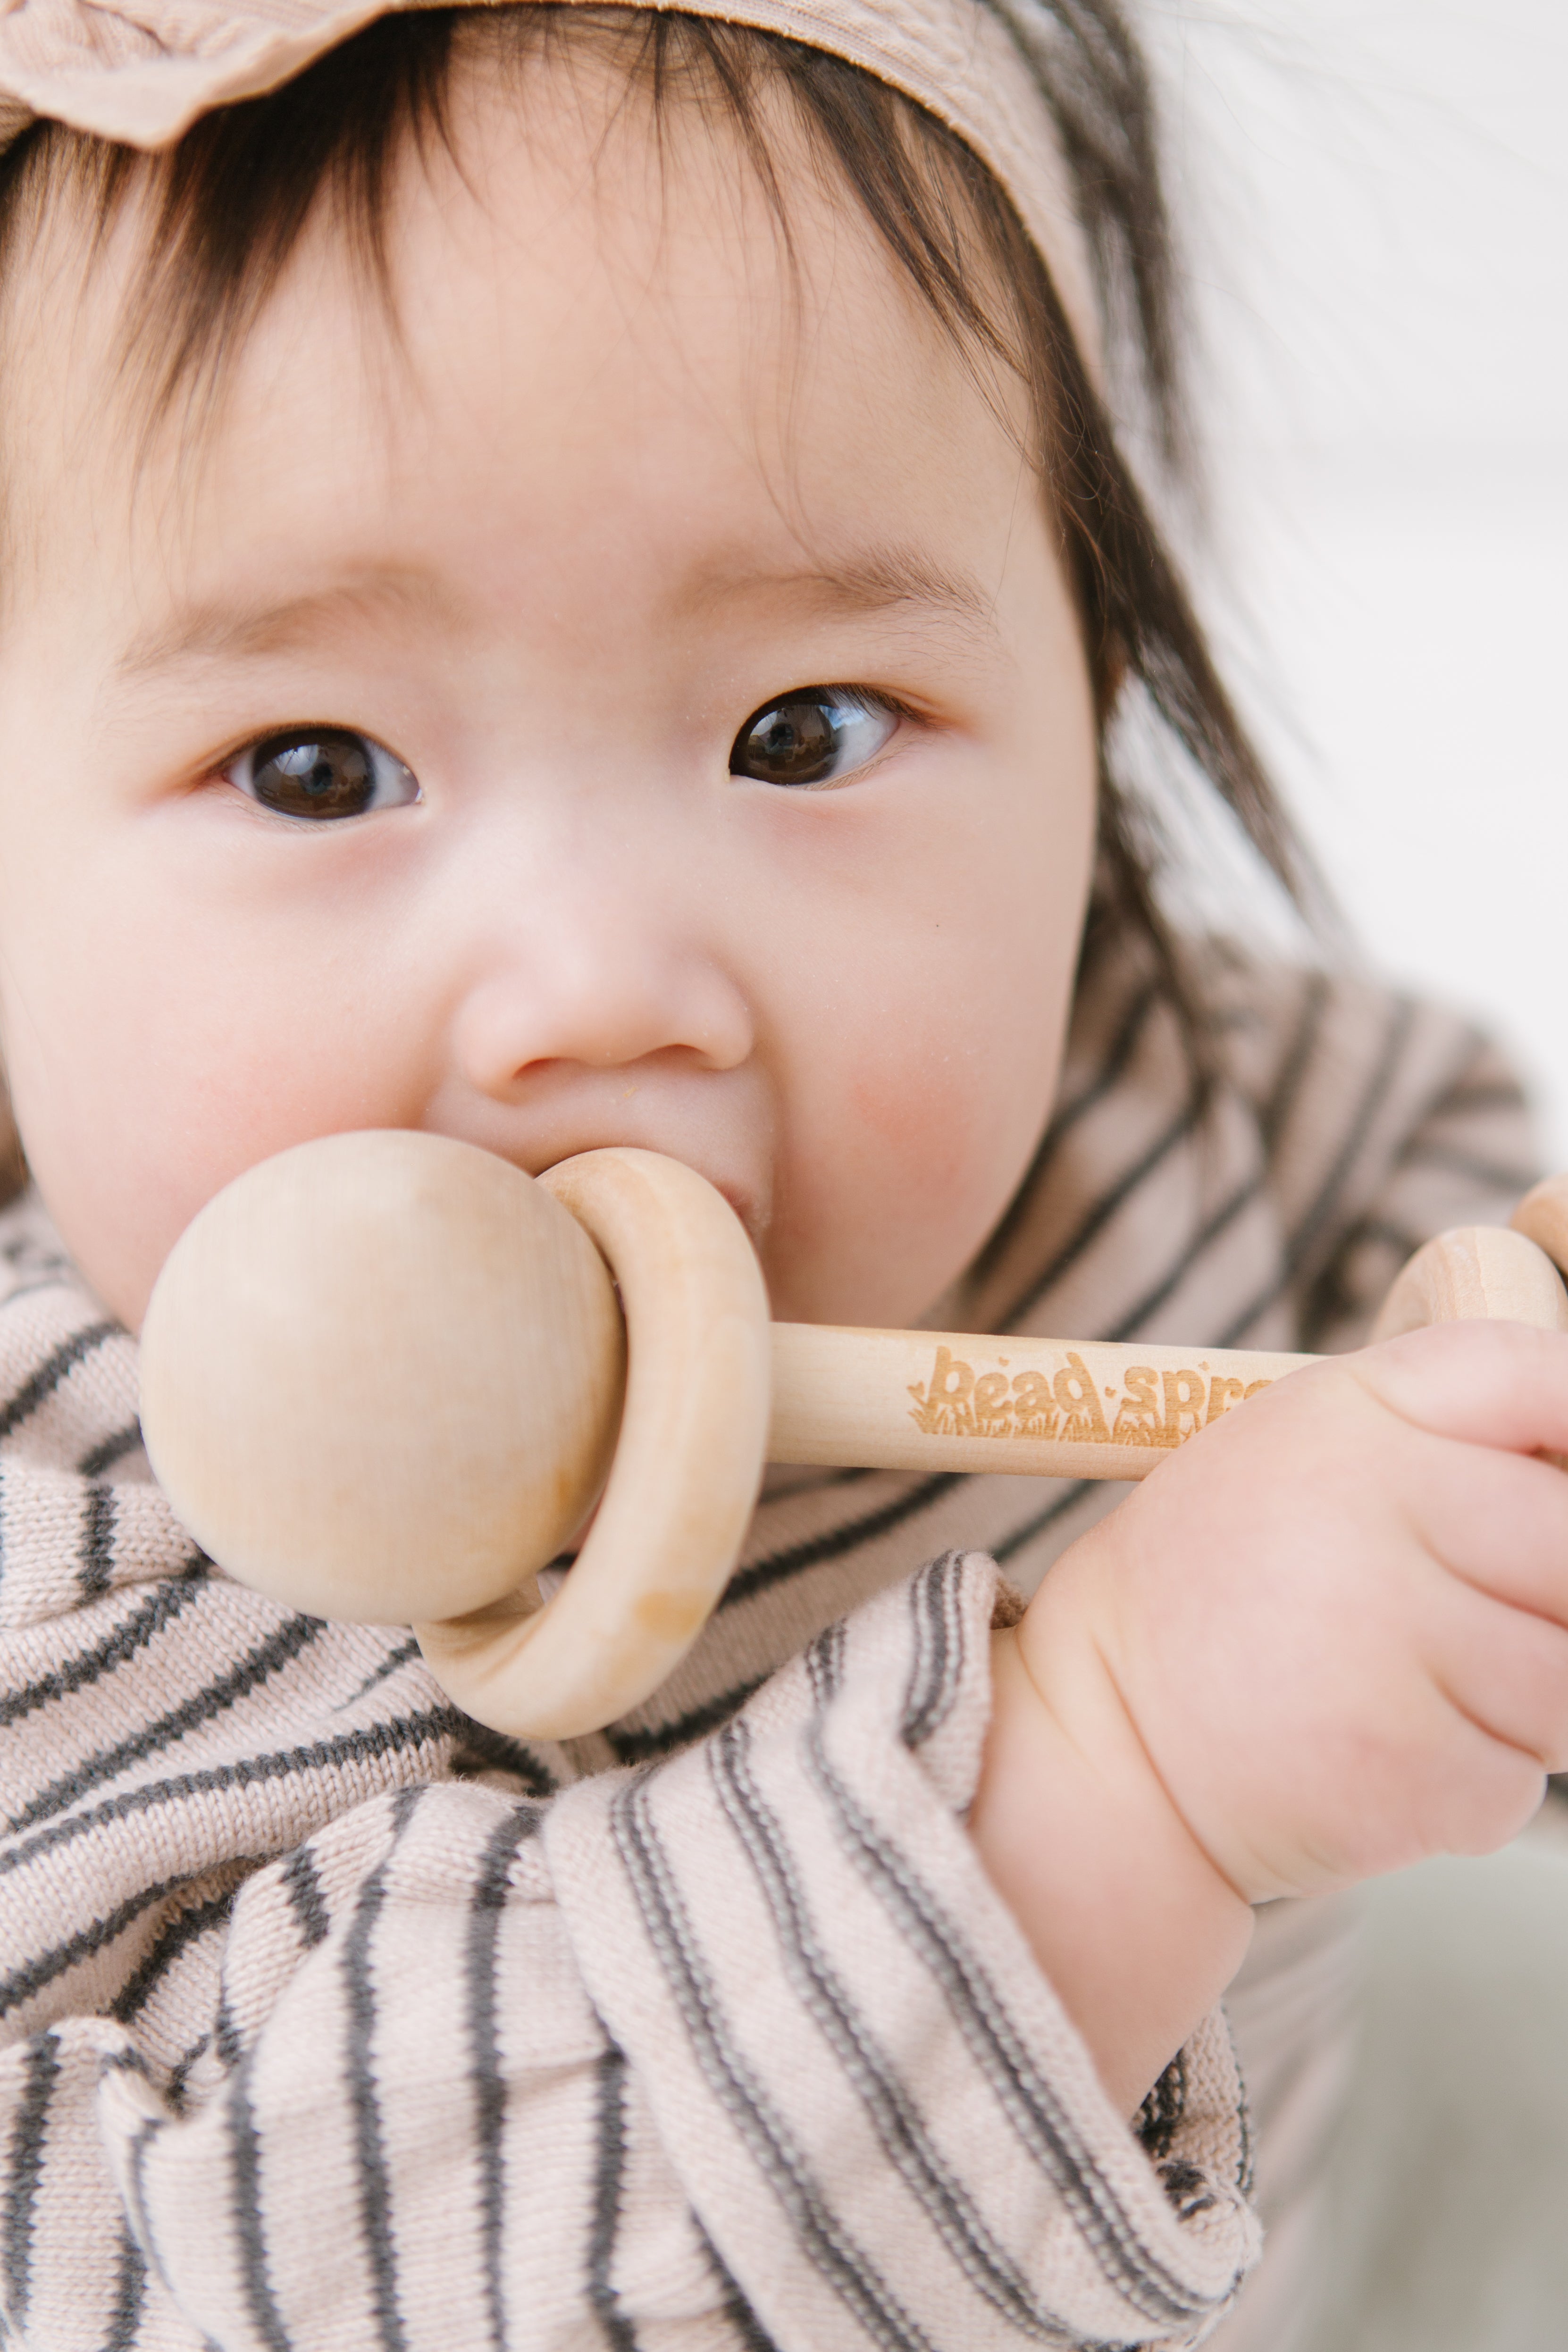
x,y
737,2050
1471,1152
1383,1119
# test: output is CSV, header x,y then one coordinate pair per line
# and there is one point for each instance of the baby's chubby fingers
x,y
1498,1384
1505,1669
1336,1621
1488,1507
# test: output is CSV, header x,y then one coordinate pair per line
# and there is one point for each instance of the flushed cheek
x,y
161,1068
909,1150
924,1105
951,1117
916,1110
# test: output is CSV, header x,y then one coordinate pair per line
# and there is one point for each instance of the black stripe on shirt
x,y
50,1373
25,2166
1109,1075
937,1674
1281,1100
282,1646
824,2240
147,1618
372,1744
184,1929
227,2048
1028,2100
96,1573
777,1567
486,1906
402,1653
493,1751
35,1974
1106,1078
1300,1241
245,2171
129,2295
302,1886
754,2336
1104,1207
889,2111
147,2132
375,2185
1426,1151
609,2165
180,2072
1480,1094
640,1747
1213,1229
113,1449
1383,1234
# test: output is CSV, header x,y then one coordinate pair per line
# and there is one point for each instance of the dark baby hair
x,y
229,203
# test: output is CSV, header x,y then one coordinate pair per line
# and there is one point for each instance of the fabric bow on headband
x,y
141,71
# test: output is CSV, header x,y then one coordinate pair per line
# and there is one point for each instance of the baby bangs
x,y
226,206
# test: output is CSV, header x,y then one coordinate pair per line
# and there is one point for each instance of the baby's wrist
x,y
1136,1927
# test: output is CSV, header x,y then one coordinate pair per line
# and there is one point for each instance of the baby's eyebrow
x,y
224,628
876,581
879,579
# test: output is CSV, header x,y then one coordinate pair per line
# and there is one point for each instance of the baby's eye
x,y
820,735
321,771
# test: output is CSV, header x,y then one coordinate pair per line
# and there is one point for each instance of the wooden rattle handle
x,y
1087,1408
955,1400
382,1377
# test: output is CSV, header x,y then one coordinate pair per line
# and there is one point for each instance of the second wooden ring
x,y
688,1464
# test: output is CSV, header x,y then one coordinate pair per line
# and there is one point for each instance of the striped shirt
x,y
329,2019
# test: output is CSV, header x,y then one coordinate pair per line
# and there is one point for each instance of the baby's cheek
x,y
939,1125
192,1080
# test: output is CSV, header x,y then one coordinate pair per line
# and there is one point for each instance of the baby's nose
x,y
602,1002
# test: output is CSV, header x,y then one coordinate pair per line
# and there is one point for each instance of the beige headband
x,y
141,71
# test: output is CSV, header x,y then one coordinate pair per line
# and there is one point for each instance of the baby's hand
x,y
1326,1638
1339,1622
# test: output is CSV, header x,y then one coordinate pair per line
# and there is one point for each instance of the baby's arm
x,y
1322,1642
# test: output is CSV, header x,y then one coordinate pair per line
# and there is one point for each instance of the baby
x,y
566,574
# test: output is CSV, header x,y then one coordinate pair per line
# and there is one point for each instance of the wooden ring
x,y
1543,1216
1481,1271
683,1484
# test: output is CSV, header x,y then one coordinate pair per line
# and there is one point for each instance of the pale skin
x,y
622,490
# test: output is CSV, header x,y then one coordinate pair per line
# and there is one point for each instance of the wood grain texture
x,y
688,1464
1542,1217
955,1400
344,1391
1477,1271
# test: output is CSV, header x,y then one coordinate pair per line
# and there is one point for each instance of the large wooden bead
x,y
382,1376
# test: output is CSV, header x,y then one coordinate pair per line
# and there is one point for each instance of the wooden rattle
x,y
385,1377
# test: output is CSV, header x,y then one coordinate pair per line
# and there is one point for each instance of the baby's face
x,y
645,708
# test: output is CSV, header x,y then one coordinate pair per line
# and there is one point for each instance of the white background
x,y
1378,243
